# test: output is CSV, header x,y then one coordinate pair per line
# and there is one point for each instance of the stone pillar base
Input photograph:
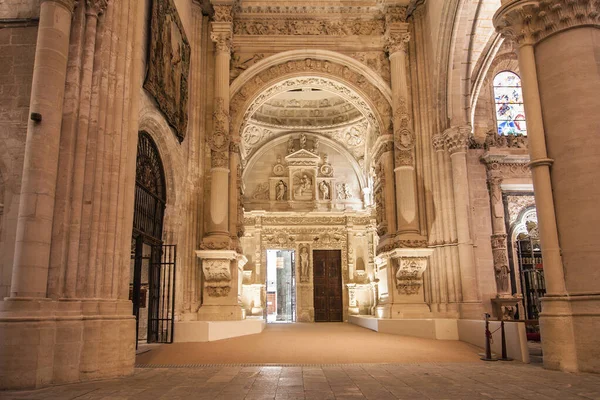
x,y
221,313
471,310
569,328
47,342
410,311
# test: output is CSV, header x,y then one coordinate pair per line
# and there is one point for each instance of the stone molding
x,y
293,26
527,22
506,165
395,14
457,139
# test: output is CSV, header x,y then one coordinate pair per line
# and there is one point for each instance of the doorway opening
x,y
152,267
281,286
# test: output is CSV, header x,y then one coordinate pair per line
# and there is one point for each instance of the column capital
x,y
395,14
223,13
68,4
527,22
396,41
221,37
457,138
95,8
438,142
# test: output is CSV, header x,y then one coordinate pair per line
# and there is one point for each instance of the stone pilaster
x,y
456,139
397,38
557,41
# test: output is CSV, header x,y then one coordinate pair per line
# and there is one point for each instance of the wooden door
x,y
327,278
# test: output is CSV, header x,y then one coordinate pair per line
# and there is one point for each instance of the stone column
x,y
218,235
221,264
558,42
499,251
397,38
36,208
456,139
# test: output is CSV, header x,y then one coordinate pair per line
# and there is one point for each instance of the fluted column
x,y
397,38
218,235
36,208
456,143
558,42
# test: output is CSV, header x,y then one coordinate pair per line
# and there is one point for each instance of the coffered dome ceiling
x,y
309,110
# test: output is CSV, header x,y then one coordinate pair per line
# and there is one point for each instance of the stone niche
x,y
302,172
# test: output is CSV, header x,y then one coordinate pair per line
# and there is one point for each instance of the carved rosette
x,y
457,139
527,22
95,8
501,268
217,277
408,273
223,13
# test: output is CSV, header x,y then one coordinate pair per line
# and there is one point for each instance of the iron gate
x,y
161,308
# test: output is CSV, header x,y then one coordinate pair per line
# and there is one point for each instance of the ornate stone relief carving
x,y
217,277
501,268
261,192
397,41
309,27
240,63
516,204
508,170
219,140
395,14
401,244
492,139
456,138
343,192
222,13
408,273
169,65
378,61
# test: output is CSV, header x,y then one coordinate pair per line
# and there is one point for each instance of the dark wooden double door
x,y
327,278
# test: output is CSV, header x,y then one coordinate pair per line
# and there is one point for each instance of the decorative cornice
x,y
527,22
309,27
457,138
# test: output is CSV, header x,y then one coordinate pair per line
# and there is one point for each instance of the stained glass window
x,y
510,113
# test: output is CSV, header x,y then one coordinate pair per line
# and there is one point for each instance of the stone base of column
x,y
222,284
569,328
471,310
46,342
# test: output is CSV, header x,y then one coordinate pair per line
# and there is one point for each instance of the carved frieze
x,y
309,27
408,273
492,139
169,65
223,13
240,63
378,61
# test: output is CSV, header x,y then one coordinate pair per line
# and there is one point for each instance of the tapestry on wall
x,y
169,65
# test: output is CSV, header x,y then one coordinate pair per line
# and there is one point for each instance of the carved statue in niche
x,y
502,278
290,145
303,188
304,264
302,141
169,65
280,190
343,192
324,191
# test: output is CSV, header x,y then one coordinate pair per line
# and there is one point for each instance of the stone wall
x,y
17,51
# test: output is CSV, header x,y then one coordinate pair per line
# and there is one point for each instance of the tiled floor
x,y
366,381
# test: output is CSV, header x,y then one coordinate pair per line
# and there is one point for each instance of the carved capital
x,y
527,22
222,39
219,159
396,41
68,4
457,139
404,158
438,142
95,7
223,13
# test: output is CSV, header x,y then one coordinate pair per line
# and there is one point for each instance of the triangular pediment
x,y
303,155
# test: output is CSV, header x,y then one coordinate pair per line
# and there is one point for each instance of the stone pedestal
x,y
504,308
222,274
405,269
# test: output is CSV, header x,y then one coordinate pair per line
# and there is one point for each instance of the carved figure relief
x,y
324,191
217,277
304,264
261,192
169,65
281,191
303,187
309,27
408,276
343,192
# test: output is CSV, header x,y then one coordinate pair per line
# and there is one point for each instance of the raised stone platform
x,y
208,331
469,331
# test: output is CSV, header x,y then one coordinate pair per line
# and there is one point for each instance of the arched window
x,y
510,113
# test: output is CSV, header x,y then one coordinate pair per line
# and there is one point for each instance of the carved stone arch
x,y
308,72
294,55
284,137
